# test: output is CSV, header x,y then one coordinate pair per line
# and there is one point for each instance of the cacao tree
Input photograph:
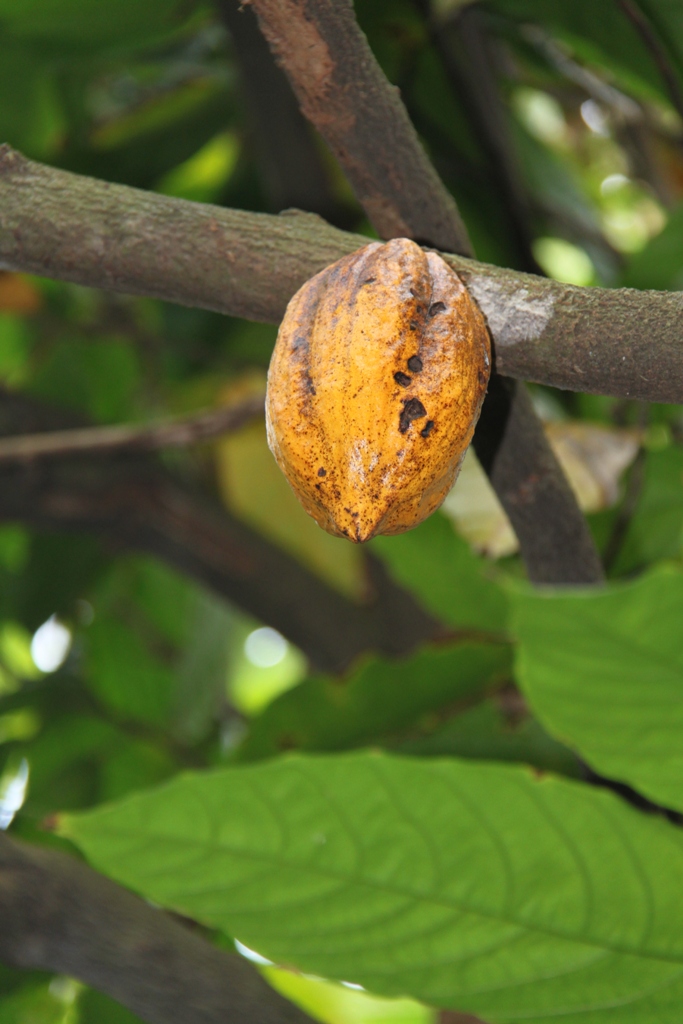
x,y
250,770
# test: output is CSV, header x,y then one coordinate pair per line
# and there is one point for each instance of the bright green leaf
x,y
478,887
603,670
33,1004
335,1004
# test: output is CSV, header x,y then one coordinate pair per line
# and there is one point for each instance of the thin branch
x,y
177,433
605,341
129,498
344,92
59,915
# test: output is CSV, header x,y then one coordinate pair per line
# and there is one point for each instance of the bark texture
x,y
59,915
343,92
134,502
620,342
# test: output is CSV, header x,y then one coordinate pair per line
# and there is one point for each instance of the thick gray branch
x,y
56,224
59,915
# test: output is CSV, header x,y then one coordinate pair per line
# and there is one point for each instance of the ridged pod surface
x,y
374,388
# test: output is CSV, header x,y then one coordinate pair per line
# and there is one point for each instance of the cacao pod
x,y
374,388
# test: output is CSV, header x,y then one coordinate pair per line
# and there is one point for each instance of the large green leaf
x,y
449,579
603,670
380,698
480,887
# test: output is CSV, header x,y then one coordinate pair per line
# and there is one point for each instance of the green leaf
x,y
486,732
473,886
443,572
656,528
33,1004
90,21
332,1003
600,33
96,1008
99,379
603,670
380,698
125,674
660,264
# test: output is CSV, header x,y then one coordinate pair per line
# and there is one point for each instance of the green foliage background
x,y
465,858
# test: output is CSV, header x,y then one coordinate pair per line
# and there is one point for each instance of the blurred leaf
x,y
31,114
15,348
335,1004
204,175
554,184
253,687
253,487
202,668
99,378
14,547
472,886
134,765
90,22
441,570
599,33
379,699
603,670
166,597
33,1005
125,674
60,569
486,732
96,1008
15,651
660,264
155,113
655,530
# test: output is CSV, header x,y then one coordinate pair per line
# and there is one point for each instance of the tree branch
x,y
343,91
56,224
130,498
59,915
287,156
178,433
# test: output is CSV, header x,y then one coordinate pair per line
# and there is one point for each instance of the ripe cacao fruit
x,y
374,388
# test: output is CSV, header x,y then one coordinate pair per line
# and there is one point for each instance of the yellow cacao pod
x,y
374,388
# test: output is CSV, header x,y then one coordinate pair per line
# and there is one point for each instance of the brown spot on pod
x,y
349,340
